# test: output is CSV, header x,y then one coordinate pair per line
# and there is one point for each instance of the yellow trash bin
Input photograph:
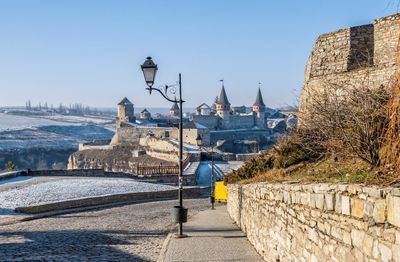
x,y
221,191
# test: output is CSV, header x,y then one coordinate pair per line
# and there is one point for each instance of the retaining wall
x,y
189,179
318,222
108,199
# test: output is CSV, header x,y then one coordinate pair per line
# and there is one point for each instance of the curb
x,y
164,248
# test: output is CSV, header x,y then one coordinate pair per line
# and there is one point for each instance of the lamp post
x,y
149,69
199,142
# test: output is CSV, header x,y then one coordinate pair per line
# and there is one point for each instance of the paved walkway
x,y
212,237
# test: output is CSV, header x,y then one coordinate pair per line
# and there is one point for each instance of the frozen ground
x,y
23,132
14,122
18,122
40,190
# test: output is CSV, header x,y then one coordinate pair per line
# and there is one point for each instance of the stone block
x,y
396,252
373,192
328,202
347,238
379,212
338,203
311,200
312,235
393,210
375,250
385,251
367,245
357,238
357,207
313,258
319,201
345,205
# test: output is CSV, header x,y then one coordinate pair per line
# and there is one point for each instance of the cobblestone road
x,y
133,232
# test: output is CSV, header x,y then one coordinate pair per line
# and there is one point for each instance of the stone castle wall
x,y
238,121
318,222
229,121
354,57
263,136
131,134
211,122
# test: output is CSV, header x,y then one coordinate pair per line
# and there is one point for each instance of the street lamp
x,y
149,69
199,142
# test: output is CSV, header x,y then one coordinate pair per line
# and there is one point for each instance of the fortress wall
x,y
237,121
386,36
162,149
362,56
261,135
207,121
318,222
130,134
190,135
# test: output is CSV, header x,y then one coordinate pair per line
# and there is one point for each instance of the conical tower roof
x,y
175,107
125,101
223,98
259,99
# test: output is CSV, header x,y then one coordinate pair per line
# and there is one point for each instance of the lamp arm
x,y
166,91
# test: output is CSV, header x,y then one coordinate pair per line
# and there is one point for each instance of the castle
x,y
359,56
220,122
219,117
224,117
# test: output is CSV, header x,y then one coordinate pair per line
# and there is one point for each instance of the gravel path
x,y
40,190
128,233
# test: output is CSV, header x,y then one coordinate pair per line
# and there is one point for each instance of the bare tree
x,y
348,120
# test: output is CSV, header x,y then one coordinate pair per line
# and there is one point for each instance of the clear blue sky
x,y
90,51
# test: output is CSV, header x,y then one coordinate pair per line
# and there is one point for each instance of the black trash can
x,y
180,214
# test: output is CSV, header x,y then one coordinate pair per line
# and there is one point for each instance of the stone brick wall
x,y
131,134
263,136
361,56
318,222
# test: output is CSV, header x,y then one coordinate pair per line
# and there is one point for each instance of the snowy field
x,y
16,122
63,132
41,190
13,122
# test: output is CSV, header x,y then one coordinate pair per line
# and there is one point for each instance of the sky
x,y
89,52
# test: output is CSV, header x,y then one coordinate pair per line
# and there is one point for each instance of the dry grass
x,y
330,171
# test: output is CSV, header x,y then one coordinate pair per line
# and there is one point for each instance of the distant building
x,y
203,110
145,114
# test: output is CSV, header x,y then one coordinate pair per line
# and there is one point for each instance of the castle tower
x,y
259,110
174,111
126,111
222,107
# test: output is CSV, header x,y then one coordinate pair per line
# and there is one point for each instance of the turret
x,y
174,111
222,106
259,110
259,105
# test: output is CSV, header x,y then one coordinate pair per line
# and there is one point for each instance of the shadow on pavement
x,y
71,245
